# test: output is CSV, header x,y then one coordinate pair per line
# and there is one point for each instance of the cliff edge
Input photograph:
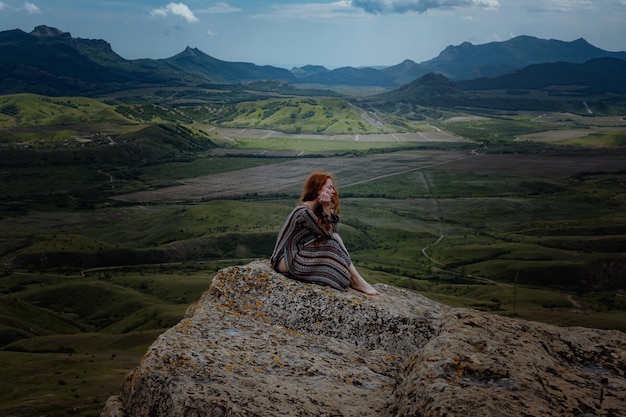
x,y
259,344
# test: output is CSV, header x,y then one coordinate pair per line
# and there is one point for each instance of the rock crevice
x,y
260,344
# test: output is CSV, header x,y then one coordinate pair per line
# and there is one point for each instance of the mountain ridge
x,y
468,61
52,62
602,75
196,62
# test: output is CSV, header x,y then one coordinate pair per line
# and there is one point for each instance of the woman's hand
x,y
324,199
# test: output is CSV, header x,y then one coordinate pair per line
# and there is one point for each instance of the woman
x,y
308,247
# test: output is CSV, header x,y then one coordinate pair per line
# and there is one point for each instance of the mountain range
x,y
543,87
52,62
468,61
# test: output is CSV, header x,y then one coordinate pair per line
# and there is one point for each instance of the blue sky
x,y
330,33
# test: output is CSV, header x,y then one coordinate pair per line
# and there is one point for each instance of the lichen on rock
x,y
260,344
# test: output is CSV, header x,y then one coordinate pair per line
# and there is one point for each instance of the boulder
x,y
260,344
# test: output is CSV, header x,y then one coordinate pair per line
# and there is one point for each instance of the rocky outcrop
x,y
260,344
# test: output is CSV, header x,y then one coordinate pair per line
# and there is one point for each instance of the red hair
x,y
313,186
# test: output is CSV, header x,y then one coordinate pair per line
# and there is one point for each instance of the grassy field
x,y
82,334
328,116
525,218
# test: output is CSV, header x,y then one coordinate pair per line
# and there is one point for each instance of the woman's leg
x,y
282,266
356,280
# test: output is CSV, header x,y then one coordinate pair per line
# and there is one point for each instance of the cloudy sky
x,y
288,33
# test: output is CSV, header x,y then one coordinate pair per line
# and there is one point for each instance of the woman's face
x,y
328,187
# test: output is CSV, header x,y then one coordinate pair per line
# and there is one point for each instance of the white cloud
x,y
221,8
312,11
420,6
178,9
561,5
31,8
159,12
3,5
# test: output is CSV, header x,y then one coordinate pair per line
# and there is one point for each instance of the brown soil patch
x,y
287,177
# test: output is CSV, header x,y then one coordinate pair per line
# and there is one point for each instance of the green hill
x,y
28,110
22,320
430,89
324,116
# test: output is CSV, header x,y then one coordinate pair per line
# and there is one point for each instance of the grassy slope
x,y
28,110
52,122
82,352
323,116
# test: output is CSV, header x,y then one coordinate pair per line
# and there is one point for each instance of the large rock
x,y
260,344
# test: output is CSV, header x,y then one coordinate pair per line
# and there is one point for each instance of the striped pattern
x,y
312,254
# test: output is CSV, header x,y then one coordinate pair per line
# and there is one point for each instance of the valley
x,y
103,247
118,207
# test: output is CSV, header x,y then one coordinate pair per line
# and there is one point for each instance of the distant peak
x,y
524,37
189,51
50,32
463,46
435,78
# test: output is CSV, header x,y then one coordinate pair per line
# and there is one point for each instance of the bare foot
x,y
359,284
